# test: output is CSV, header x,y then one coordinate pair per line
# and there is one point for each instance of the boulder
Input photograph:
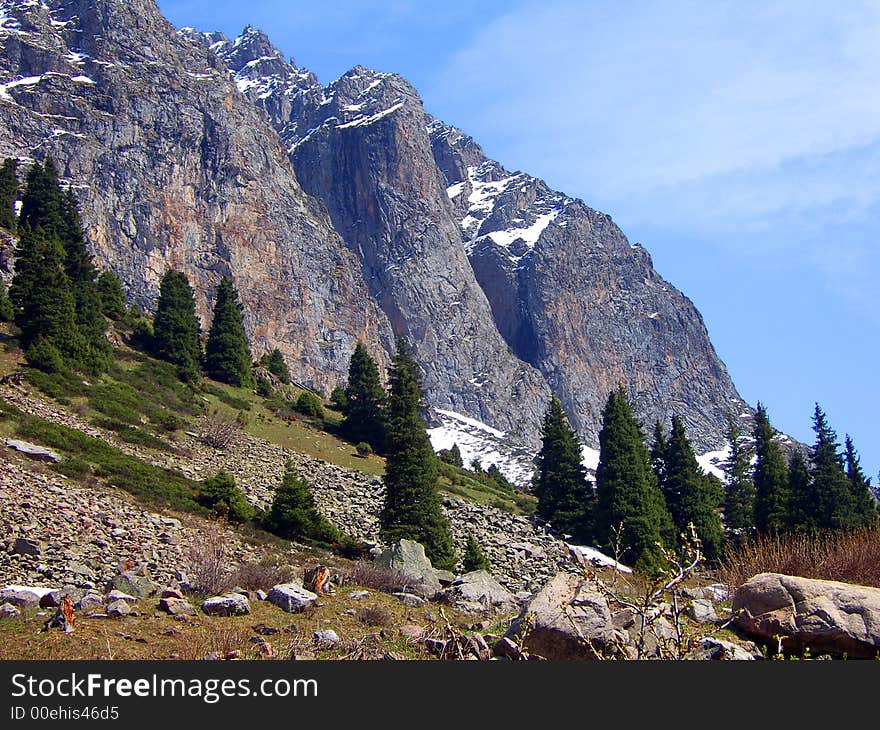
x,y
21,596
824,616
118,609
713,649
115,595
567,619
408,558
229,604
478,591
135,585
90,602
177,607
327,638
40,453
28,546
7,610
51,599
702,611
410,599
291,597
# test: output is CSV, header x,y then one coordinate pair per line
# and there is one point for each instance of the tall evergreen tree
x,y
864,507
801,497
565,498
365,401
175,327
227,350
834,501
658,454
44,306
690,495
412,508
83,276
739,496
770,477
628,495
8,193
110,295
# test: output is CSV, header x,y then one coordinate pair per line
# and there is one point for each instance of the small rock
x,y
89,602
28,546
702,611
7,610
410,600
229,604
328,638
261,595
177,607
135,585
358,595
171,593
118,609
291,597
115,595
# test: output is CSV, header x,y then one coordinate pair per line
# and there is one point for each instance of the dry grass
x,y
370,575
850,557
265,573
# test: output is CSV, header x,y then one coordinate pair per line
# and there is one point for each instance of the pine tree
x,y
566,499
864,507
474,558
739,496
175,327
365,401
227,350
111,296
801,499
834,506
658,454
412,508
83,276
41,203
690,495
43,304
294,514
8,193
220,494
626,486
770,478
7,312
274,363
451,456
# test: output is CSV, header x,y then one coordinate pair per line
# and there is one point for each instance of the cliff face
x,y
575,299
174,167
346,212
567,293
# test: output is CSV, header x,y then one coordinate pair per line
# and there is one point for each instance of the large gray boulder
x,y
479,591
825,616
567,619
291,597
408,558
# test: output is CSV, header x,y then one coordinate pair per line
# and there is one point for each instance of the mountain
x,y
569,295
348,212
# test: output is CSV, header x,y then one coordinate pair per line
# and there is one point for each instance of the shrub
x,y
264,573
141,334
274,363
338,399
309,405
474,558
46,357
220,494
374,616
208,564
364,449
219,431
369,575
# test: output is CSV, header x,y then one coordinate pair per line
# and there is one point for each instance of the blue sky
x,y
739,142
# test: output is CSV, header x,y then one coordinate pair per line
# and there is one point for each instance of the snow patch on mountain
x,y
476,440
712,462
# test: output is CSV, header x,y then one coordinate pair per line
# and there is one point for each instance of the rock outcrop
x,y
174,167
804,613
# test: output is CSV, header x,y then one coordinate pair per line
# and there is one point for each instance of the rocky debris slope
x,y
58,532
173,166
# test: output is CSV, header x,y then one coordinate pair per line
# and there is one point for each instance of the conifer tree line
x,y
644,499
